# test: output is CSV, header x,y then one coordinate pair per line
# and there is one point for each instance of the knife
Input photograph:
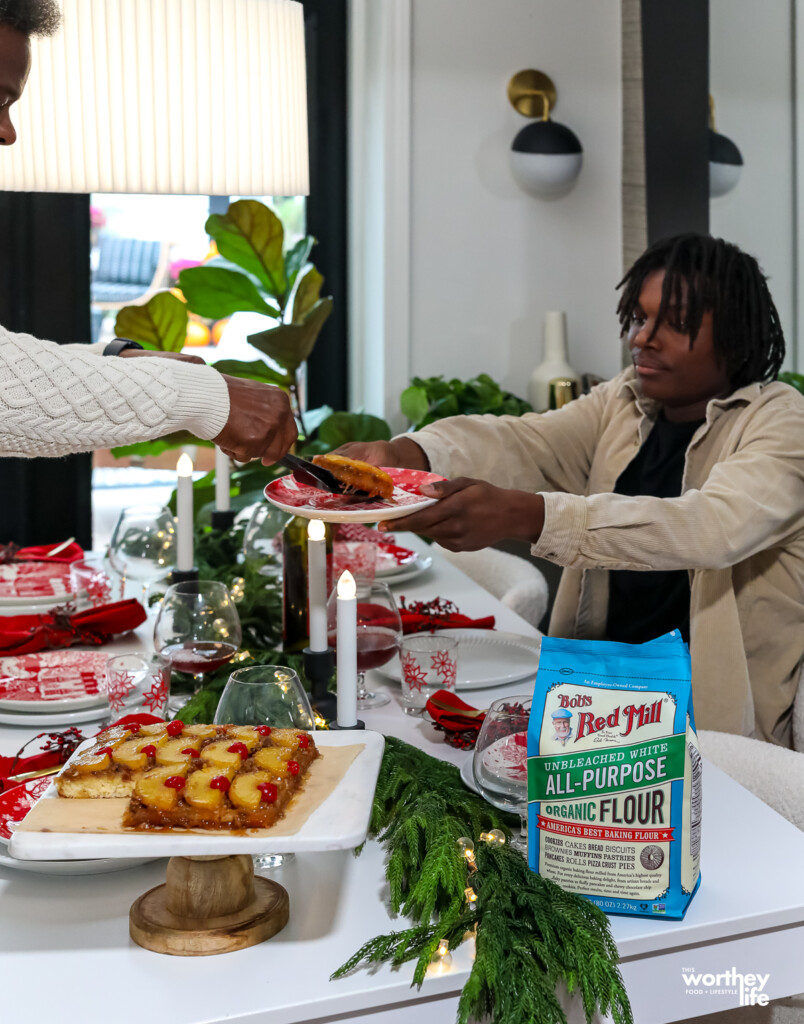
x,y
310,475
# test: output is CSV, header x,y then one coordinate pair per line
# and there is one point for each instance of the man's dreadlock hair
x,y
703,274
31,17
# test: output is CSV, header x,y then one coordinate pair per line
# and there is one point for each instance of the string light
x,y
494,836
467,848
238,589
320,721
441,960
241,656
471,897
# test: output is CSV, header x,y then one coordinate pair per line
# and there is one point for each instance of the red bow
x,y
26,634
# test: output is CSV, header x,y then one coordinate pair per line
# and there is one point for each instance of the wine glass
x,y
379,633
143,544
266,695
263,530
196,631
500,765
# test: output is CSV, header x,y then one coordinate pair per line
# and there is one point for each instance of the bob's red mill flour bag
x,y
614,774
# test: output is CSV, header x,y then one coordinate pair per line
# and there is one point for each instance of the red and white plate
x,y
311,503
52,681
14,805
34,583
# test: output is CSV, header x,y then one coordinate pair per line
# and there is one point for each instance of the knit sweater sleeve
x,y
55,400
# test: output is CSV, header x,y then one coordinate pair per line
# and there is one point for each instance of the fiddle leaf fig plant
x,y
159,324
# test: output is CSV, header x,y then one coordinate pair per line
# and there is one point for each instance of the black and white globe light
x,y
725,159
546,157
725,164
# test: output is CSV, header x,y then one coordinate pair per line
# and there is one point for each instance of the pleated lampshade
x,y
202,97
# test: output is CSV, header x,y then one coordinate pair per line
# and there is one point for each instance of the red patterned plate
x,y
34,583
391,558
52,681
16,803
291,496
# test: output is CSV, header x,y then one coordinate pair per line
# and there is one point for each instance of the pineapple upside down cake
x,y
193,776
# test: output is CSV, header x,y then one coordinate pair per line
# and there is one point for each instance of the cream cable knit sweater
x,y
59,399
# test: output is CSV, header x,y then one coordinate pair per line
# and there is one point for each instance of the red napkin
x,y
415,622
72,553
139,719
460,730
26,634
56,749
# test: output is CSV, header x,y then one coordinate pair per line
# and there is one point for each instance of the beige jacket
x,y
738,527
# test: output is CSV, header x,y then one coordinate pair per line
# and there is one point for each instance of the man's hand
x,y
134,353
260,424
402,453
471,514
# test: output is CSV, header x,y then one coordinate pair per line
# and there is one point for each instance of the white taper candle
x,y
346,651
184,514
222,501
317,584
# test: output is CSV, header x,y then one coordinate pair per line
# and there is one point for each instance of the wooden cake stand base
x,y
208,905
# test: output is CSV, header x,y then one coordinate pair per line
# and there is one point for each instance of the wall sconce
x,y
725,159
546,156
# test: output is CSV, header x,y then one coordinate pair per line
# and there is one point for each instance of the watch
x,y
118,345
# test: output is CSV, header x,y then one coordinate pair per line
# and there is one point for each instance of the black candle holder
x,y
222,521
183,576
319,667
359,724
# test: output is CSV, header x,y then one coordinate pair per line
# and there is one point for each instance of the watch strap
x,y
118,345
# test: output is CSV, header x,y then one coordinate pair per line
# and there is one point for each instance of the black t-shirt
x,y
644,605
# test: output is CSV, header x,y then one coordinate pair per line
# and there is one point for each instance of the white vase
x,y
555,362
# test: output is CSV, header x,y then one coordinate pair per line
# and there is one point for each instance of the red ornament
x,y
176,782
269,792
191,751
294,767
175,728
264,730
238,748
149,751
220,782
304,742
104,750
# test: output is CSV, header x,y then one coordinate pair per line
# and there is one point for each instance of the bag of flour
x,y
614,774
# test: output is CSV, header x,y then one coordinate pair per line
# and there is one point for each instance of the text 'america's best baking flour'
x,y
614,774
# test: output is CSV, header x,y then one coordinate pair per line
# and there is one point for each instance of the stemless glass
x,y
135,682
500,765
379,633
143,544
266,695
196,631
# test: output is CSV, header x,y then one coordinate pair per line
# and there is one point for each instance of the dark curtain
x,y
44,291
325,38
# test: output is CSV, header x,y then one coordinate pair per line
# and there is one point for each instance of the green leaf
x,y
414,404
307,295
215,293
160,324
341,427
296,257
251,235
290,344
255,369
161,444
795,380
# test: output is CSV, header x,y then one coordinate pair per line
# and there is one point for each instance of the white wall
x,y
751,81
487,260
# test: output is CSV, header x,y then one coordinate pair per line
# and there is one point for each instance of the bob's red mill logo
x,y
631,717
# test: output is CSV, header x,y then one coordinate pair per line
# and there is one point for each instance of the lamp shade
x,y
200,97
546,159
725,164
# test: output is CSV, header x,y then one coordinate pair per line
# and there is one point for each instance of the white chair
x,y
517,583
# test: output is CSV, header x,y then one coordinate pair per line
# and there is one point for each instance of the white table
x,y
64,941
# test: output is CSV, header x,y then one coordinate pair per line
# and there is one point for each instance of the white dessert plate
x,y
486,657
468,775
14,805
339,823
311,503
48,681
406,572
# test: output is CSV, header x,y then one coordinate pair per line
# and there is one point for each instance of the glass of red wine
x,y
197,631
379,634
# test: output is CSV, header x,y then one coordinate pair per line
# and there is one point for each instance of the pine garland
x,y
530,933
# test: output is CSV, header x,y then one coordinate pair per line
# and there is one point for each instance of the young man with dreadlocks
x,y
58,399
673,495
